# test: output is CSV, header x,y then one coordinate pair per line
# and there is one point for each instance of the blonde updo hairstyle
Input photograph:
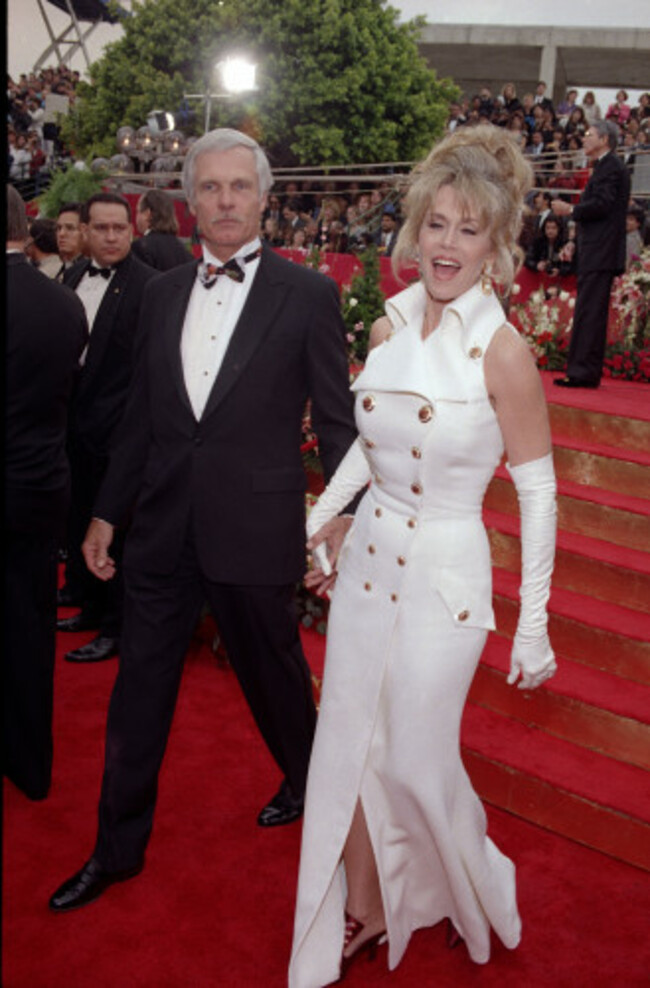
x,y
490,175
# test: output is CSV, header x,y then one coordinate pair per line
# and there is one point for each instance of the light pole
x,y
236,75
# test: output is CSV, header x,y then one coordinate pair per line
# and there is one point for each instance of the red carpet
x,y
213,908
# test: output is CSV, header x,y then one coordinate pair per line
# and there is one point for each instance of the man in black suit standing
x,y
157,225
208,462
110,283
600,218
46,333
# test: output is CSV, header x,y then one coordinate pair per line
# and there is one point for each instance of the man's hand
x,y
561,208
95,549
333,533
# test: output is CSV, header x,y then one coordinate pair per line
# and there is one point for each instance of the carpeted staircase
x,y
574,756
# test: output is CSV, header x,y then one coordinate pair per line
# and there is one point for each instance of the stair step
x,y
590,708
596,633
582,564
607,515
614,469
618,413
585,426
586,796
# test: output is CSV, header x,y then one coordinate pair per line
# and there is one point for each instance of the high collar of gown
x,y
445,365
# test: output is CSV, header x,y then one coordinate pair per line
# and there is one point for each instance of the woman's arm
x,y
515,388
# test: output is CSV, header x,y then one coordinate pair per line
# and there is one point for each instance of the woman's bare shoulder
x,y
380,330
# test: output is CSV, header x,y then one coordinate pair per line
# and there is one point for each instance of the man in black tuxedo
x,y
46,333
110,283
208,463
157,225
600,217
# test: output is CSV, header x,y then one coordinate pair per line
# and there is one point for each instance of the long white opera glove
x,y
532,656
352,474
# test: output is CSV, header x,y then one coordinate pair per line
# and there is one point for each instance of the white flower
x,y
516,289
572,302
564,296
353,301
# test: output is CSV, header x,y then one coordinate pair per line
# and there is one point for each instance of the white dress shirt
x,y
210,321
91,291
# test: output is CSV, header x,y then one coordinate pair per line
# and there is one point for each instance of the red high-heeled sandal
x,y
353,928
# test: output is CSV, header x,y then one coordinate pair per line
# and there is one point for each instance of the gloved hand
x,y
532,656
533,660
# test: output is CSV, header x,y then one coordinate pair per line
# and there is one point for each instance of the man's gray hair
x,y
606,128
224,139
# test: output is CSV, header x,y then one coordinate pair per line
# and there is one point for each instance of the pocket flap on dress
x,y
469,604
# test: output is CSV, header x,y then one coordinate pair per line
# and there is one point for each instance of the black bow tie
x,y
93,270
208,273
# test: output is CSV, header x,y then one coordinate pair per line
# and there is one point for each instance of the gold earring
x,y
486,281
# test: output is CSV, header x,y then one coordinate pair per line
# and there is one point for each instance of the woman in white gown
x,y
394,836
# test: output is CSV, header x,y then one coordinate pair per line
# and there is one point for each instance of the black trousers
x,y
260,631
589,333
102,600
28,660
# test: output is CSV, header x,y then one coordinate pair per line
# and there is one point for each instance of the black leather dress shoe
x,y
78,622
283,808
97,650
66,598
574,382
87,885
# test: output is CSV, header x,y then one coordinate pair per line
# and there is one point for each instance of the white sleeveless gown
x,y
408,621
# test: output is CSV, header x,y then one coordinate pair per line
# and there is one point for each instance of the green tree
x,y
339,81
362,302
69,185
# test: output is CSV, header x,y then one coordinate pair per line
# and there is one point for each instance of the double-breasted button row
x,y
394,597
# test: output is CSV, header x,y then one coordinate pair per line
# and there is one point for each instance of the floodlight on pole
x,y
237,75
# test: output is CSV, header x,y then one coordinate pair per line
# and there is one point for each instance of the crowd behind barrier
x,y
34,147
345,214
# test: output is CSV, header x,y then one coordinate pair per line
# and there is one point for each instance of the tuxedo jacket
x,y
161,251
233,479
104,379
600,215
73,272
46,333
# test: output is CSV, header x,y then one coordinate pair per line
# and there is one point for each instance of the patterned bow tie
x,y
93,270
208,273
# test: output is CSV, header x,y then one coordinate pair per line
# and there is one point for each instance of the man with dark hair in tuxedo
x,y
157,225
110,283
207,464
69,240
600,219
46,332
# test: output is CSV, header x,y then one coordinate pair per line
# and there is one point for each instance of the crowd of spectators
x,y
552,137
33,104
348,217
340,220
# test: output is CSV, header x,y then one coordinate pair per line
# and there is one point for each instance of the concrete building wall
x,y
481,54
